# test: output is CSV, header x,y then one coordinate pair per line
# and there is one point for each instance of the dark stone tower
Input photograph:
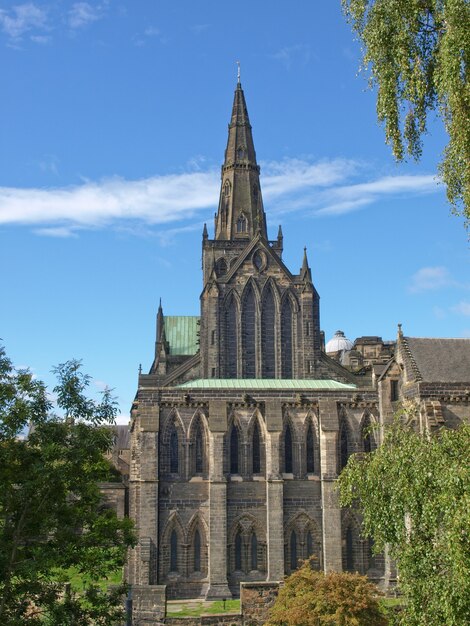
x,y
258,320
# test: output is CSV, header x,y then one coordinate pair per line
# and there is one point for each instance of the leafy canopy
x,y
51,512
418,54
414,494
312,598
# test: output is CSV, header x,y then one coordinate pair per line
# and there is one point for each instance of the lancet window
x,y
174,452
286,339
256,451
310,444
288,464
267,335
248,334
231,352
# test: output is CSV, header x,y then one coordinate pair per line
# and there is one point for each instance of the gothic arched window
x,y
234,450
248,334
197,551
256,450
268,367
349,550
199,452
293,550
227,188
343,446
254,551
241,224
231,352
173,552
174,461
310,450
288,451
286,339
238,551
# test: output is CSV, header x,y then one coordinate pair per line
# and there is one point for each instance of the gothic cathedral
x,y
244,420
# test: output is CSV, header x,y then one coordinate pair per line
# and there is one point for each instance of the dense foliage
x,y
418,53
51,513
312,598
414,494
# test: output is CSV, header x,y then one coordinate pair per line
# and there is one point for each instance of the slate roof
x,y
181,333
263,383
439,360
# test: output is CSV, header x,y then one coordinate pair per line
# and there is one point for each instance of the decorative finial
x,y
140,369
238,73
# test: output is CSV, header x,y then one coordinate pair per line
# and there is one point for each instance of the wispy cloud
x,y
462,308
438,277
290,55
22,19
431,279
83,13
321,188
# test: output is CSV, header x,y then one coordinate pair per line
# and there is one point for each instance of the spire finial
x,y
238,72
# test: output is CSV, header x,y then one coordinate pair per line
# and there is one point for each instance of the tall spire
x,y
241,213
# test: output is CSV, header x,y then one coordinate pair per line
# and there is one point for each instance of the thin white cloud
x,y
83,13
291,185
290,55
431,279
463,308
21,19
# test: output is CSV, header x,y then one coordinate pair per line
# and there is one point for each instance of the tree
x,y
312,598
418,53
414,494
51,513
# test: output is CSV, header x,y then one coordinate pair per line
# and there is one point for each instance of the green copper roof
x,y
263,383
181,333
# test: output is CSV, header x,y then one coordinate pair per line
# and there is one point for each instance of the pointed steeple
x,y
241,213
305,273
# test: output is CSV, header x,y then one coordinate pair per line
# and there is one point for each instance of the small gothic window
x,y
197,551
310,451
174,451
293,550
240,153
234,451
241,224
221,267
199,450
173,552
393,390
288,451
256,451
309,544
238,552
343,446
254,551
227,188
349,550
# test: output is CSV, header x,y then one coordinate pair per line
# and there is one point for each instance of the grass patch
x,y
231,606
79,581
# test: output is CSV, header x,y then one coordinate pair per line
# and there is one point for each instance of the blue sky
x,y
113,124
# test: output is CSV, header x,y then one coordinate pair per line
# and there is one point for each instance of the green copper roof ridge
x,y
265,383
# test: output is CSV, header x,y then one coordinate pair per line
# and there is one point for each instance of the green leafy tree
x,y
312,598
418,54
414,494
51,513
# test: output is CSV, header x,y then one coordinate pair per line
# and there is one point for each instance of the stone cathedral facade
x,y
240,428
